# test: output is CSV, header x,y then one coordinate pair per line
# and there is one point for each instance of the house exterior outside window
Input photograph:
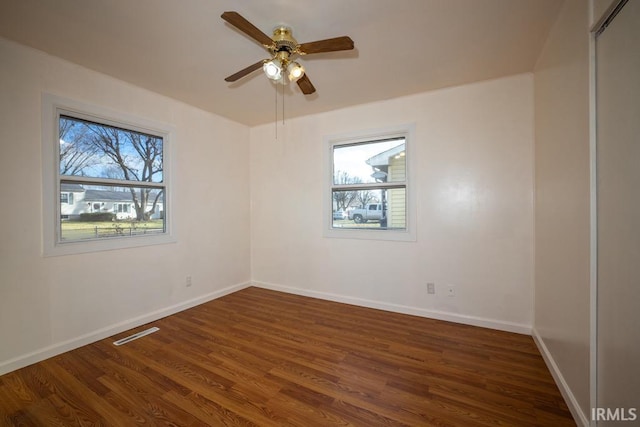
x,y
367,191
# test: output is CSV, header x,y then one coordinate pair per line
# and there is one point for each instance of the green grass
x,y
79,230
347,223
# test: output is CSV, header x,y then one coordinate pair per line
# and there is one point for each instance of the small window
x,y
369,182
121,208
107,171
66,198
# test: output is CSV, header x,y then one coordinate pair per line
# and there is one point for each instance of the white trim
x,y
500,325
408,132
51,105
91,337
593,227
578,416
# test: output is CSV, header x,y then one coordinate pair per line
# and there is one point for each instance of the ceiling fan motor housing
x,y
284,41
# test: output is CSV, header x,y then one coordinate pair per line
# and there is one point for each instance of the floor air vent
x,y
136,336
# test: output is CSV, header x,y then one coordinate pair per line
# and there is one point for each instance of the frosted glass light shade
x,y
295,71
273,69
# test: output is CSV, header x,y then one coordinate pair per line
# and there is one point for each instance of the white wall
x,y
48,305
474,189
562,221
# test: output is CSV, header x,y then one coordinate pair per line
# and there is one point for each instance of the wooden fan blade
x,y
328,45
305,85
235,19
250,69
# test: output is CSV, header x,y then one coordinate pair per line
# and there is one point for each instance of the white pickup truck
x,y
371,212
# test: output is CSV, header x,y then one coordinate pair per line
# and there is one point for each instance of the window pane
x,y
96,150
378,161
111,211
375,208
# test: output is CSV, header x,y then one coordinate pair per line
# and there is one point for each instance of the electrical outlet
x,y
188,281
451,291
431,288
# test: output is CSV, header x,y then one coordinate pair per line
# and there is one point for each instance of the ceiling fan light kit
x,y
273,69
283,49
295,71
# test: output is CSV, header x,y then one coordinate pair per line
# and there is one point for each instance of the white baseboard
x,y
578,415
397,308
58,348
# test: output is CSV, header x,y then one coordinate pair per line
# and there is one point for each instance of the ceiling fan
x,y
283,48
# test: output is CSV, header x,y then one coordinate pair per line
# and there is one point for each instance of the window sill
x,y
106,244
371,234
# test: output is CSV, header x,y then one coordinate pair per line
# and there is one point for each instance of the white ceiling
x,y
184,50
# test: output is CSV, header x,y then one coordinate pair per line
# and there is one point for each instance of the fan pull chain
x,y
276,110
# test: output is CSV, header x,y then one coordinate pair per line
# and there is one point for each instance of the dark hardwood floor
x,y
258,357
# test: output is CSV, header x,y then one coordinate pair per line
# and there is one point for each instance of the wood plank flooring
x,y
264,358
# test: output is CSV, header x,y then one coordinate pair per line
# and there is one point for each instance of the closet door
x,y
618,216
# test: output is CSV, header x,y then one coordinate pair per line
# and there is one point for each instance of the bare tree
x,y
75,153
364,197
343,199
149,148
138,157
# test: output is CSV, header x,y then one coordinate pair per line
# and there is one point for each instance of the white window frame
x,y
52,107
403,131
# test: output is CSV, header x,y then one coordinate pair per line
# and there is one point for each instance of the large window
x,y
369,186
111,177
